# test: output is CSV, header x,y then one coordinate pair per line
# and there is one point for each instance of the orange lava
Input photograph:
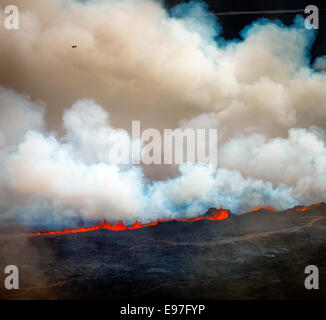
x,y
220,214
301,209
269,208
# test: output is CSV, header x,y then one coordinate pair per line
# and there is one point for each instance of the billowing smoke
x,y
134,60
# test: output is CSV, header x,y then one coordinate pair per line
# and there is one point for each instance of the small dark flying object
x,y
74,47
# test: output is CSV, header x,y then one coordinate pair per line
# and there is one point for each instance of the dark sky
x,y
232,24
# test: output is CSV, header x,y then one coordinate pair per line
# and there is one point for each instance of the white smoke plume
x,y
167,69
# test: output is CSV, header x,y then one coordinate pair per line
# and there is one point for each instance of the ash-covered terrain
x,y
258,255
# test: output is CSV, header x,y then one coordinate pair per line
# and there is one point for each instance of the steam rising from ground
x,y
136,61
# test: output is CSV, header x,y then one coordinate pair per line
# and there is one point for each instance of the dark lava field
x,y
258,255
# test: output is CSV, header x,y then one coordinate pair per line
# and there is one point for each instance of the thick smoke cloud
x,y
136,61
62,174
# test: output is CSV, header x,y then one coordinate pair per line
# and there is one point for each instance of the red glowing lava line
x,y
300,209
269,208
220,214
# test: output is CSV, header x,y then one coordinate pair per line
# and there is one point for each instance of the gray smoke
x,y
136,61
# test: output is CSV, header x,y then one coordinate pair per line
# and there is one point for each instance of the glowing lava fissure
x,y
295,209
269,208
214,215
302,208
218,214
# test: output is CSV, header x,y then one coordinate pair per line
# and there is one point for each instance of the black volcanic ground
x,y
260,255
